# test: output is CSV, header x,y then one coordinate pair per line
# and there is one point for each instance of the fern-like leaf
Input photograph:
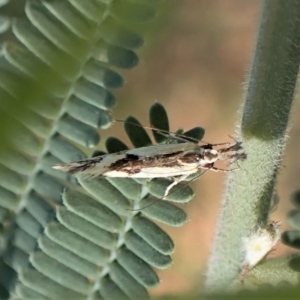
x,y
56,77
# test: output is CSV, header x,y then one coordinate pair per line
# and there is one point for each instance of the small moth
x,y
259,244
176,161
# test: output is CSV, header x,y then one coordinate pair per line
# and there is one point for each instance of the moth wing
x,y
95,166
157,150
100,165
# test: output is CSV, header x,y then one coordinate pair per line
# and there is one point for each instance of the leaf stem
x,y
264,122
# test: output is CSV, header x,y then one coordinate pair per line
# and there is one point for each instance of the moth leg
x,y
211,167
237,156
236,147
220,144
223,170
244,273
177,179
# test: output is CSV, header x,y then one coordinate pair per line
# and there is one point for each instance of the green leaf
x,y
59,273
153,234
163,211
68,258
136,133
47,287
76,244
111,291
56,80
145,251
159,119
137,268
91,210
127,283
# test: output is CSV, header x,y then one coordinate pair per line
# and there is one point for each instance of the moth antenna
x,y
186,138
139,209
234,139
199,175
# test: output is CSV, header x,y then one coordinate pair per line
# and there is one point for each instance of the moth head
x,y
210,155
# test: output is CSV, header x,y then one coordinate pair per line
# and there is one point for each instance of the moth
x,y
177,161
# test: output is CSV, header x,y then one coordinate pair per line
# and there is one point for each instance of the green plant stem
x,y
266,111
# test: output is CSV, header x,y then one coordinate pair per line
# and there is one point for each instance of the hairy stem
x,y
263,127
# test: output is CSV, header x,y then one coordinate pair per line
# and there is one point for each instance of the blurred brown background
x,y
195,64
